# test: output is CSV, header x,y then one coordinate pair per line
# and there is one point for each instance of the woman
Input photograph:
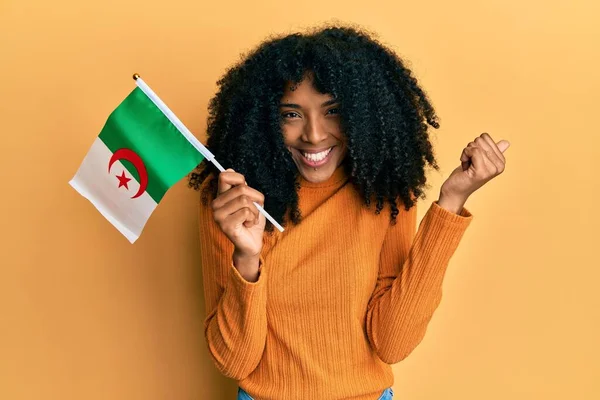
x,y
328,131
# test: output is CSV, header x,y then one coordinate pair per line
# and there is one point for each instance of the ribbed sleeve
x,y
409,282
235,327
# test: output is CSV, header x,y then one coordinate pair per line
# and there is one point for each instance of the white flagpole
x,y
190,137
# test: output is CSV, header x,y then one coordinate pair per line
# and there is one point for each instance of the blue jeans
x,y
388,394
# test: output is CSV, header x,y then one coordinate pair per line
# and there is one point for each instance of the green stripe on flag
x,y
137,124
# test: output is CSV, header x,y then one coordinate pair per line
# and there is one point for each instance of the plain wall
x,y
85,314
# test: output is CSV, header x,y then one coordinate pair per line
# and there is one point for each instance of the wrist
x,y
247,265
451,203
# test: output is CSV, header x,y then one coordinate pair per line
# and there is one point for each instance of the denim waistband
x,y
387,394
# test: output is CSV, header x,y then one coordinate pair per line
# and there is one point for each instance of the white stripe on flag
x,y
95,183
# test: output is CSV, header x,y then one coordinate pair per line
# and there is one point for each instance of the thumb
x,y
503,145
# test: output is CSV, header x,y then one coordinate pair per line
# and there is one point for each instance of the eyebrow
x,y
296,106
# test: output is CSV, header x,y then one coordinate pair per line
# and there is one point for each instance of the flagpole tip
x,y
136,76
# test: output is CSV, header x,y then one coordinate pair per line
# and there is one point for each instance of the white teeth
x,y
316,157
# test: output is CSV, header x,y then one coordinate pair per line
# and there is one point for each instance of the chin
x,y
320,175
315,177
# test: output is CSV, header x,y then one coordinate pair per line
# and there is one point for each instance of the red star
x,y
123,180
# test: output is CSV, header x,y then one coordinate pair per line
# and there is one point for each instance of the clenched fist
x,y
481,160
238,218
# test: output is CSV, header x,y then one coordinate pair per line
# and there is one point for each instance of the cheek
x,y
335,128
290,135
340,137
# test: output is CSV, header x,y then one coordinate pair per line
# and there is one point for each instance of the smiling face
x,y
312,130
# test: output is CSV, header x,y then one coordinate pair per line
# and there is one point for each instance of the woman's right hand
x,y
237,217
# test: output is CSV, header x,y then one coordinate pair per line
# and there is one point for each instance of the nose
x,y
314,131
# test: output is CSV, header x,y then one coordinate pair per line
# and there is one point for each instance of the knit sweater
x,y
340,296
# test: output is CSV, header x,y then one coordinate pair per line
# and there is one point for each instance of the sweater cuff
x,y
241,284
464,217
244,299
443,231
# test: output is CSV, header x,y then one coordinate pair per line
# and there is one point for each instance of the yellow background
x,y
86,315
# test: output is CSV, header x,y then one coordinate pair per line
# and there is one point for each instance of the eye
x,y
290,114
335,110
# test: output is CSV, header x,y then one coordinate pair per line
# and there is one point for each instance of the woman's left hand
x,y
481,161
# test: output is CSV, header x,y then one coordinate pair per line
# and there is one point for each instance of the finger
x,y
473,154
489,153
243,216
480,160
229,178
503,145
493,146
241,190
465,158
233,206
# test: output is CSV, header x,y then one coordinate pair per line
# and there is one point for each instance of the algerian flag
x,y
138,156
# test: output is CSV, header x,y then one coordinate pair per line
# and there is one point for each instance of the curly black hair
x,y
384,115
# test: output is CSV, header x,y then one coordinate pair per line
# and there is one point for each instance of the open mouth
x,y
316,159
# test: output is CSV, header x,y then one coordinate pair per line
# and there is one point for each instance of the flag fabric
x,y
137,157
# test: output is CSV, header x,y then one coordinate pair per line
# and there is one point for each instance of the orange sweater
x,y
339,298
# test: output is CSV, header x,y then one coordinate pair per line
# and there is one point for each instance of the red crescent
x,y
132,157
